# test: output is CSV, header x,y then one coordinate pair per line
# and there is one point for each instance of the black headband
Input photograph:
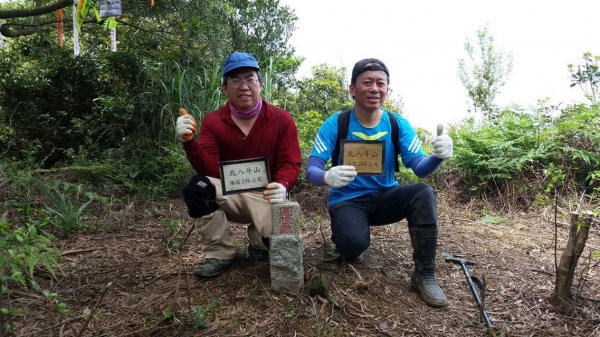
x,y
367,65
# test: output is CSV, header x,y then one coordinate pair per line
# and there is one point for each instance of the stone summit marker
x,y
287,248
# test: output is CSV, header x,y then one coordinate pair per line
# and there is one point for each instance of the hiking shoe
x,y
255,254
334,256
359,259
211,267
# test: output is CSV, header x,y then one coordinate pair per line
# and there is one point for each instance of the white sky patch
x,y
422,41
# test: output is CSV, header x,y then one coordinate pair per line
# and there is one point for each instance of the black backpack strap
x,y
342,133
395,139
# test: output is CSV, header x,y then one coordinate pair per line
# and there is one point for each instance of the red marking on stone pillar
x,y
285,220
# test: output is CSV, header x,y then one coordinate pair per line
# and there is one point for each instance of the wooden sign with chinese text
x,y
244,175
365,155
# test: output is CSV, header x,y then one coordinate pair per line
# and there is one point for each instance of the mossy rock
x,y
318,286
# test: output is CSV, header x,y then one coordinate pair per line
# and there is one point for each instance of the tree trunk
x,y
562,298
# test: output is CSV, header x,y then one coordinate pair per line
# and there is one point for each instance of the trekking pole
x,y
472,280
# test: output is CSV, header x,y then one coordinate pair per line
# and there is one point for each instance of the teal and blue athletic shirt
x,y
324,145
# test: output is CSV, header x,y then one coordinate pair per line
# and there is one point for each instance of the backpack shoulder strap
x,y
342,133
395,139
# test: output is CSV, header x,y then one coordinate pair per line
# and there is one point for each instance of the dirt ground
x,y
129,274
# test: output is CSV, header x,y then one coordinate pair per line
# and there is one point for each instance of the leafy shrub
x,y
21,250
59,103
577,140
529,153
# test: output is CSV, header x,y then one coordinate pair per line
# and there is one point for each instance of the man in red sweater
x,y
247,126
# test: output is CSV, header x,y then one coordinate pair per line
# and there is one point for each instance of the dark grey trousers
x,y
351,219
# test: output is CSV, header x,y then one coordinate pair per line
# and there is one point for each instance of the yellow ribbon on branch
x,y
83,7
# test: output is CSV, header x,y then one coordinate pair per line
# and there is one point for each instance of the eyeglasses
x,y
236,82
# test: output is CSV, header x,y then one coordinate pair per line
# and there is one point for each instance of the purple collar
x,y
246,114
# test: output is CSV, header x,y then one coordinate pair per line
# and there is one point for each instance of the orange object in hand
x,y
183,112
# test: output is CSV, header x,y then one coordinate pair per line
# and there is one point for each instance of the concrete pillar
x,y
286,248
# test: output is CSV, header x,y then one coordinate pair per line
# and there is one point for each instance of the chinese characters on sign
x,y
244,175
113,40
366,156
110,8
76,49
285,220
248,175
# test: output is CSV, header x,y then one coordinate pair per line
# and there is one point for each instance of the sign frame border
x,y
222,165
343,142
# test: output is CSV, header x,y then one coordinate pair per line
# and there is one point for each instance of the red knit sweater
x,y
274,135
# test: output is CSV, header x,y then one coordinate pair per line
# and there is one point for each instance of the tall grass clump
x,y
67,215
198,90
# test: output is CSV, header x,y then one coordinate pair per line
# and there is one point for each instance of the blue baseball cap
x,y
239,60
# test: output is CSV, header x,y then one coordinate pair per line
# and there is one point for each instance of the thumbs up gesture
x,y
442,145
185,126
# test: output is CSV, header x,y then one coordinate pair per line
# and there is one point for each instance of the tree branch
x,y
24,12
51,23
7,32
136,27
16,32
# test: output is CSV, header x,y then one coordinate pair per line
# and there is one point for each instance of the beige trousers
x,y
244,208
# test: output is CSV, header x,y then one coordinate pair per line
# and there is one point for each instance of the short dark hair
x,y
366,65
226,76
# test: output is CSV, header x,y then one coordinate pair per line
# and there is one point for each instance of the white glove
x,y
340,176
275,193
186,127
442,145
